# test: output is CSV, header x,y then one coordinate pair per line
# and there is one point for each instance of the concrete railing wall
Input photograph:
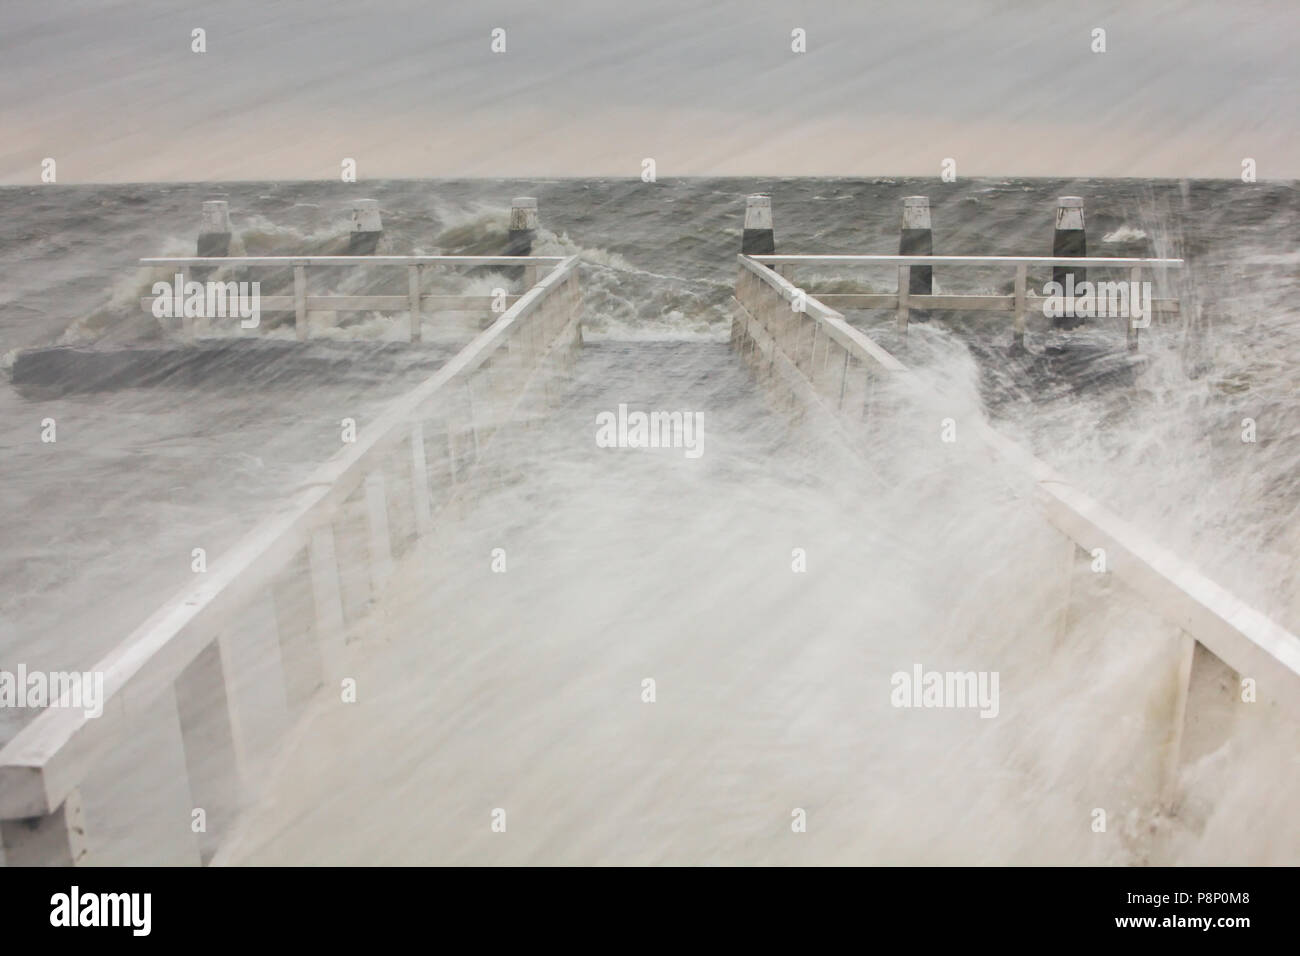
x,y
798,341
201,695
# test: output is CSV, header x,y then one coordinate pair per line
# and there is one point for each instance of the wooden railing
x,y
415,301
1019,302
827,363
223,666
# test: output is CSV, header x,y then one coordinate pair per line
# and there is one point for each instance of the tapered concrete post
x,y
214,229
55,839
917,240
381,547
257,705
1174,744
420,481
331,635
1068,240
1021,294
758,237
524,222
367,227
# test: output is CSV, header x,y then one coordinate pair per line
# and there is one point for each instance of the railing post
x,y
55,839
1068,568
868,392
201,693
473,417
381,551
256,697
844,377
300,302
826,361
185,792
420,481
325,589
1131,330
774,308
451,454
413,293
1022,278
904,288
1173,751
187,321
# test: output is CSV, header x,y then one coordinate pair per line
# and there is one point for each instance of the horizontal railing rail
x,y
270,261
1019,302
45,764
428,302
799,341
415,301
1081,261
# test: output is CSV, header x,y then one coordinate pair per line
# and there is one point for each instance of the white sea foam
x,y
1124,233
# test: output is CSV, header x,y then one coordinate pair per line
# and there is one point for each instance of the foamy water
x,y
520,685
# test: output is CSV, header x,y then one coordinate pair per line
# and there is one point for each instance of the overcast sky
x,y
288,88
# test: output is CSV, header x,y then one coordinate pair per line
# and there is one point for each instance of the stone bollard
x,y
1068,240
367,227
523,226
758,238
916,239
214,229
